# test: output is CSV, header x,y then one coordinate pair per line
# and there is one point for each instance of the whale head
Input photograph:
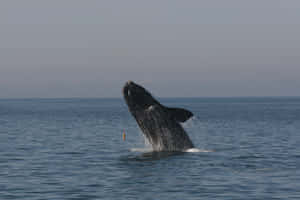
x,y
137,97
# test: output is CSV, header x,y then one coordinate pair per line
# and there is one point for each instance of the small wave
x,y
143,150
195,150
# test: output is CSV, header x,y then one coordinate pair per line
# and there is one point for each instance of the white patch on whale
x,y
150,108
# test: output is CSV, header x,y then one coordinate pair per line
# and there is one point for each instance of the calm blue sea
x,y
249,148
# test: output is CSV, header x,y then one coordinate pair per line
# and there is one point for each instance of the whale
x,y
159,124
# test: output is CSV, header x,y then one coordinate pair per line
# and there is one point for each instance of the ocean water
x,y
247,148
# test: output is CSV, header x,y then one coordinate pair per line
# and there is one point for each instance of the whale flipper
x,y
180,114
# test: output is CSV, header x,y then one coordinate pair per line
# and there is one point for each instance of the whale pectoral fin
x,y
180,114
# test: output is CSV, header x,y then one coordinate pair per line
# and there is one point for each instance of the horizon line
x,y
163,97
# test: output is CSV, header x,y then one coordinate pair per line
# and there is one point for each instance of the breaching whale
x,y
160,124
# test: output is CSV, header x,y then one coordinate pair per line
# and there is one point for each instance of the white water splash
x,y
192,150
195,150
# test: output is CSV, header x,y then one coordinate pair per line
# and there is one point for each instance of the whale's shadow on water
x,y
151,156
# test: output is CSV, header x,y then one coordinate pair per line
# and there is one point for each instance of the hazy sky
x,y
71,48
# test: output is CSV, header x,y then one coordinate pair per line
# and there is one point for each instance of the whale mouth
x,y
128,90
128,87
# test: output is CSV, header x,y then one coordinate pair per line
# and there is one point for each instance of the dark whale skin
x,y
159,124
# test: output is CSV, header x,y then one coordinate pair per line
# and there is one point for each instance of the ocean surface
x,y
247,148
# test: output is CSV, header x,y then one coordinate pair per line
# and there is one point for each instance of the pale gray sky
x,y
71,48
